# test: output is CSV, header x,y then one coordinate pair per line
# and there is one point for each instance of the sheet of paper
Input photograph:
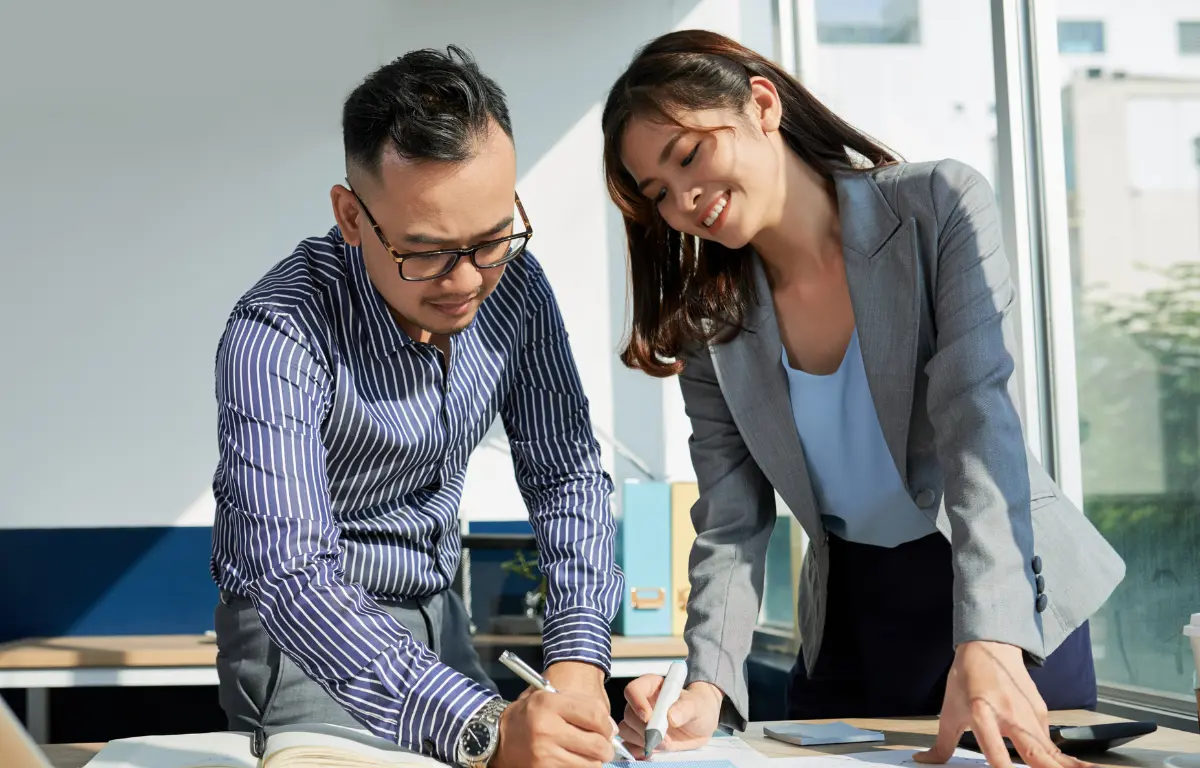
x,y
896,758
192,750
692,763
720,752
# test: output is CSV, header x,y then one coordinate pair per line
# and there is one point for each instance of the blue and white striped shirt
x,y
343,452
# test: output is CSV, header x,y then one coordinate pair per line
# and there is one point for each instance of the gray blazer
x,y
929,282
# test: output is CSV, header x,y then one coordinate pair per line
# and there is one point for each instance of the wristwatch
x,y
480,736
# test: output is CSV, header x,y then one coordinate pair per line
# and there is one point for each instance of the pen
x,y
531,676
668,694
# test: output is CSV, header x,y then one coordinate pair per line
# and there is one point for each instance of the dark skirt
x,y
888,646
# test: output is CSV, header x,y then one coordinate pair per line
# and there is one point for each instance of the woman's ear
x,y
765,106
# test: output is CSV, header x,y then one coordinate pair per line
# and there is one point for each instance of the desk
x,y
38,664
1146,752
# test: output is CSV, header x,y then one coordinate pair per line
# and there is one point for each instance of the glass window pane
x,y
880,22
876,88
1081,36
930,100
1131,119
779,605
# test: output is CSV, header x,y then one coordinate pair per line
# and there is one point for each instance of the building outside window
x,y
1131,127
872,22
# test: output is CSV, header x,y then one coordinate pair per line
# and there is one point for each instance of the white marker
x,y
656,729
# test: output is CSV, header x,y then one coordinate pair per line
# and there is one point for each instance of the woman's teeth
x,y
715,212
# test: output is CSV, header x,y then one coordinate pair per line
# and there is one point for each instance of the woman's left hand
x,y
990,693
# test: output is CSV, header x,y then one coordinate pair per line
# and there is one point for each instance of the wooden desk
x,y
183,651
70,755
1146,752
38,664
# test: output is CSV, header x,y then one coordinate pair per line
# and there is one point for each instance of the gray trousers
x,y
259,685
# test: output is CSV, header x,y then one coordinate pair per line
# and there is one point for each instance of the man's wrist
x,y
567,675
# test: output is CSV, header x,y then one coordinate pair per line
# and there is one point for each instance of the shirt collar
x,y
376,325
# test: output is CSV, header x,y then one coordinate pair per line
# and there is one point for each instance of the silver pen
x,y
531,676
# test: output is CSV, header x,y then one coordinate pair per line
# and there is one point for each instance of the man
x,y
353,381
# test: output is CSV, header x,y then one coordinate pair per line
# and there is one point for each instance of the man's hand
x,y
990,693
691,720
554,730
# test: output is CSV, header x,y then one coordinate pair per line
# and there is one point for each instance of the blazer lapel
x,y
882,271
750,370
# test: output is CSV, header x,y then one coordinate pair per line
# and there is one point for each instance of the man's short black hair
x,y
426,105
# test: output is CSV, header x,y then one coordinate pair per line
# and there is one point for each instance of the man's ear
x,y
348,214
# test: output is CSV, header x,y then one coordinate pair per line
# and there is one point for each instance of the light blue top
x,y
858,489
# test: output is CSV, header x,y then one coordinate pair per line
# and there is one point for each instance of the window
x,y
878,89
1081,37
1189,37
779,589
1134,222
886,22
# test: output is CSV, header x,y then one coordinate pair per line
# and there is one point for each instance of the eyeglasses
x,y
430,265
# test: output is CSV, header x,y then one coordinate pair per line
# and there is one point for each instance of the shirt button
x,y
1042,602
1037,564
926,498
1041,584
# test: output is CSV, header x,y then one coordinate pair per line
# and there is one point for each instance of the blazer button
x,y
1037,564
1041,584
926,498
1042,602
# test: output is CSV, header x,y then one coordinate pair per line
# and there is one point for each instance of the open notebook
x,y
299,746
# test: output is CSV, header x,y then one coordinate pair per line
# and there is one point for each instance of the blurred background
x,y
157,158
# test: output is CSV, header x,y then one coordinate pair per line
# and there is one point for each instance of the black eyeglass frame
x,y
457,253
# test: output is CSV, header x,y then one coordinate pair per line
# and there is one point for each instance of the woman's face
x,y
719,176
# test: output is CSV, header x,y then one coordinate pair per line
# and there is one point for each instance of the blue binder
x,y
644,554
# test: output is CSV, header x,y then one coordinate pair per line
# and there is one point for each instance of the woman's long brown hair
x,y
687,291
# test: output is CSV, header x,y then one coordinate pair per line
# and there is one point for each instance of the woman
x,y
840,324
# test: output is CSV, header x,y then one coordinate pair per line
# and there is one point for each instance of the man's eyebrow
x,y
662,158
417,238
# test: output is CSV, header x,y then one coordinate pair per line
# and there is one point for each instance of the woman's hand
x,y
691,721
990,693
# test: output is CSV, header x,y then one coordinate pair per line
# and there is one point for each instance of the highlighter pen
x,y
656,729
529,675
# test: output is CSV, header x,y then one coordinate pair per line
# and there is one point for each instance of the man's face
x,y
426,206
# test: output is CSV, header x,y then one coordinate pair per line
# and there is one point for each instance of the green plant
x,y
527,568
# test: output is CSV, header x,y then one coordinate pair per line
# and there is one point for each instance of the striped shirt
x,y
343,453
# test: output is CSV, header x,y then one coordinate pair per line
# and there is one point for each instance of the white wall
x,y
157,158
